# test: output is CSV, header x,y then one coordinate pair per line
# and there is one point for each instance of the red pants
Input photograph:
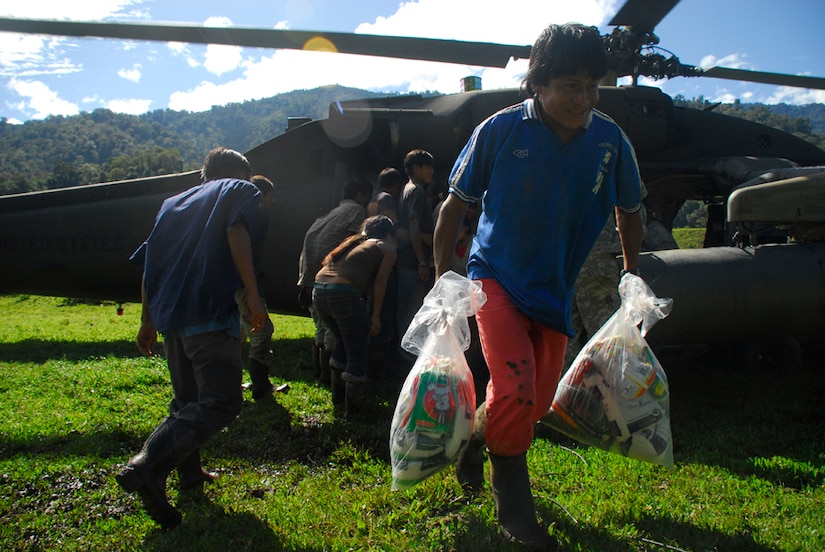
x,y
525,361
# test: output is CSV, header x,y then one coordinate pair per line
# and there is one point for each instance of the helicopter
x,y
761,274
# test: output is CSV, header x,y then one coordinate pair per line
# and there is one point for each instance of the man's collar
x,y
530,110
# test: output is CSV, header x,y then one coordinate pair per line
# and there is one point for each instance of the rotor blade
x,y
643,15
483,54
779,79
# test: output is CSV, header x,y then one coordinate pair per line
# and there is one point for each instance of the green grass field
x,y
76,400
689,238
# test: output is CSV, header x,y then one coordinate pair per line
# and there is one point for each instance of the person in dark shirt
x,y
349,292
195,258
415,258
385,359
259,357
325,233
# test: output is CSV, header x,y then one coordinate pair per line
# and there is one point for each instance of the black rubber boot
x,y
515,509
469,468
354,398
192,476
316,361
259,374
146,473
324,374
337,385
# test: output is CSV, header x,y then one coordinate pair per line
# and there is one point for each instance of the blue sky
x,y
42,76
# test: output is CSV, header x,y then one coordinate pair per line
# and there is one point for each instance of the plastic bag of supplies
x,y
615,394
435,411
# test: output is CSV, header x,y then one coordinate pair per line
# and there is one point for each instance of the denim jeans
x,y
206,373
410,293
343,309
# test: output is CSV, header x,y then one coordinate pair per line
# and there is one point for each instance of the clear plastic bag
x,y
615,395
435,410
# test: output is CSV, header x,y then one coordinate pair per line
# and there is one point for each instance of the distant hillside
x,y
102,145
804,121
813,112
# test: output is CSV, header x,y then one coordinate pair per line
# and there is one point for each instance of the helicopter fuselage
x,y
76,242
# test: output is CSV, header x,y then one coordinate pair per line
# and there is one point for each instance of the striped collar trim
x,y
529,110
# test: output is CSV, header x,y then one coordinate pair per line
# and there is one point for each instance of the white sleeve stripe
x,y
462,196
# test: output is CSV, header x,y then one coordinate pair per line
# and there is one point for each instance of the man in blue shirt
x,y
549,171
197,255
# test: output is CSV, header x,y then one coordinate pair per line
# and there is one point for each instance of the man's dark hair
x,y
418,157
357,185
263,184
223,162
564,50
389,177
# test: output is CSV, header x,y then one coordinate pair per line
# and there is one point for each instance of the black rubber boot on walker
x,y
515,508
337,385
323,359
259,374
469,468
316,361
146,472
192,476
354,398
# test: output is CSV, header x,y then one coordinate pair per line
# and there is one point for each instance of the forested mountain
x,y
813,112
804,121
102,145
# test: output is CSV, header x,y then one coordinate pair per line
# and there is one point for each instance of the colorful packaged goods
x,y
434,415
433,419
615,394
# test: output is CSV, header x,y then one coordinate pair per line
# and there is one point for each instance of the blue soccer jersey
x,y
544,203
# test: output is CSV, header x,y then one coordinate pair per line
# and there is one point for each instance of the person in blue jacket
x,y
195,258
548,171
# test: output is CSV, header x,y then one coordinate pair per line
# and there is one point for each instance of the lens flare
x,y
320,44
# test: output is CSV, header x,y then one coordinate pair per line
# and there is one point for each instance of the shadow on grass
x,y
265,431
748,421
262,432
39,351
75,443
654,534
239,531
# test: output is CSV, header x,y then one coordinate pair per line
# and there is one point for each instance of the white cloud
x,y
42,100
286,70
734,61
17,51
208,94
799,96
220,59
181,49
520,23
60,9
130,107
132,74
234,74
217,59
289,70
25,56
